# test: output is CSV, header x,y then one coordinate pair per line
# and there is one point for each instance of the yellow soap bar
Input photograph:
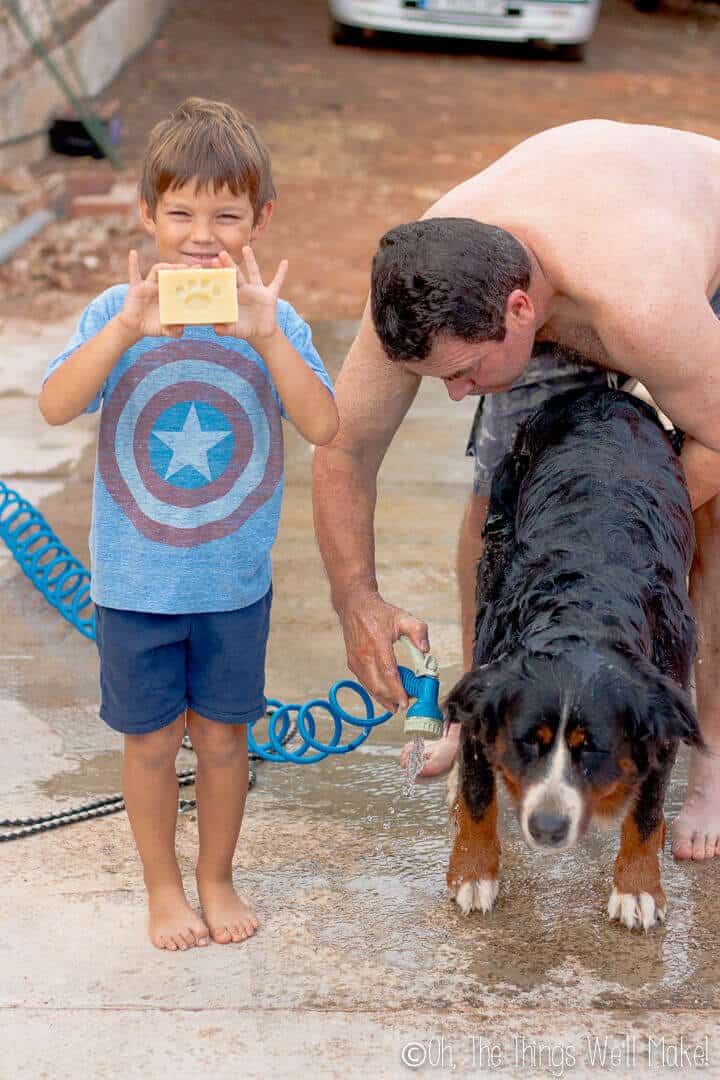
x,y
198,296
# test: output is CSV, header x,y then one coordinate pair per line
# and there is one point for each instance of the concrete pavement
x,y
362,966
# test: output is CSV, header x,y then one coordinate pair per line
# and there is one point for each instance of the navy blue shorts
x,y
153,667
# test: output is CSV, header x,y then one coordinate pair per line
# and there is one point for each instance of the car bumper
x,y
529,20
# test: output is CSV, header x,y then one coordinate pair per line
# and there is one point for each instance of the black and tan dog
x,y
585,640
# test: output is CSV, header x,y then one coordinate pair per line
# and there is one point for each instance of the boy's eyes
x,y
185,214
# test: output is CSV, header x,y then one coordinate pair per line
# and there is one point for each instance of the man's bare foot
x,y
173,923
696,830
228,915
439,756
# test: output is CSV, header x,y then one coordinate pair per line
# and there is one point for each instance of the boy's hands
x,y
257,303
141,312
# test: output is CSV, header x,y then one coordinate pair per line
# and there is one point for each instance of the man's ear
x,y
519,311
146,217
263,219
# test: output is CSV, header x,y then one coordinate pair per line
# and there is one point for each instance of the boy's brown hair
x,y
209,142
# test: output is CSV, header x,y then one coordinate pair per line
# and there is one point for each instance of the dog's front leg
x,y
472,875
637,899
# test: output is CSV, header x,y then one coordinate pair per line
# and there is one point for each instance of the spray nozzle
x,y
422,683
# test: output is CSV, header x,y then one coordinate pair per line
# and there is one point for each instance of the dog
x,y
584,645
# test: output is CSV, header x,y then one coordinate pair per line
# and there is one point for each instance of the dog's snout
x,y
549,828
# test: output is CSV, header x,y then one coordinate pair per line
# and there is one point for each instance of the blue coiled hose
x,y
60,577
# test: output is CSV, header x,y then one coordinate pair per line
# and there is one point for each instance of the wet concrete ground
x,y
361,958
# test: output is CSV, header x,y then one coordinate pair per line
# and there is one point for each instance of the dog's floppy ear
x,y
660,713
479,700
673,714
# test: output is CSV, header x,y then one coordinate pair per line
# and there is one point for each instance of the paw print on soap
x,y
198,293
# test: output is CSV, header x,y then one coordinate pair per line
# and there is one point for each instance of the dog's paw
x,y
637,911
475,895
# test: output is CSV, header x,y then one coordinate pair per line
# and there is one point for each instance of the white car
x,y
565,24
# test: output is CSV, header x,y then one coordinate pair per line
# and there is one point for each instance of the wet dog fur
x,y
584,644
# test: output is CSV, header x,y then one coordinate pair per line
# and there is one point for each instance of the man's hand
x,y
141,311
257,303
371,627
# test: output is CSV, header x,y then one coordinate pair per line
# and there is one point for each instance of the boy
x,y
186,502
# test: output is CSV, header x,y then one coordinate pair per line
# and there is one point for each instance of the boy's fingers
x,y
134,275
226,260
222,329
253,269
276,283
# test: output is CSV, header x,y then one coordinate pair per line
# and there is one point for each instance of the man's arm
x,y
702,472
673,347
372,394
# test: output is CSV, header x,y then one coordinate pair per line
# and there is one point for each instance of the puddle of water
x,y
97,775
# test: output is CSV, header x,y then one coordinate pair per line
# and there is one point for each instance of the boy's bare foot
x,y
439,755
228,915
173,923
696,830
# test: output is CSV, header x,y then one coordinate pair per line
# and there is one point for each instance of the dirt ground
x,y
363,138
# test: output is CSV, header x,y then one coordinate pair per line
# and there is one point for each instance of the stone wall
x,y
99,35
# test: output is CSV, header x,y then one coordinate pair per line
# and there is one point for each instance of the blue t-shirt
x,y
189,471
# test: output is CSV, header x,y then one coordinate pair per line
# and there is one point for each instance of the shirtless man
x,y
602,239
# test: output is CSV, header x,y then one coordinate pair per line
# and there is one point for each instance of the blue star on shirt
x,y
190,445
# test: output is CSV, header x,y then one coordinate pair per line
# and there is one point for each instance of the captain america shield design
x,y
191,442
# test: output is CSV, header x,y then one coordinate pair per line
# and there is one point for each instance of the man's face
x,y
481,367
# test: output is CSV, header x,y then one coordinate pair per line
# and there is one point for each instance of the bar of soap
x,y
198,297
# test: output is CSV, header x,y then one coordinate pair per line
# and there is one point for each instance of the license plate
x,y
463,7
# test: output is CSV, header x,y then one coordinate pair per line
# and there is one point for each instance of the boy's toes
x,y
198,932
221,935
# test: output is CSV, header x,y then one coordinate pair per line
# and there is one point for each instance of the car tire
x,y
342,34
571,54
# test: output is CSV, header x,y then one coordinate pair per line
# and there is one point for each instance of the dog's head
x,y
573,735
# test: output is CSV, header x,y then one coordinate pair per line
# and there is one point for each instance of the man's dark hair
x,y
444,275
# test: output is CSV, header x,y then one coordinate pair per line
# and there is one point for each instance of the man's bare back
x,y
623,218
633,180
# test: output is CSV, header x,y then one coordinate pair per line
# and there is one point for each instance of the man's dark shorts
x,y
153,667
552,370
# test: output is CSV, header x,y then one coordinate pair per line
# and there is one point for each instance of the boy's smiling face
x,y
193,226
